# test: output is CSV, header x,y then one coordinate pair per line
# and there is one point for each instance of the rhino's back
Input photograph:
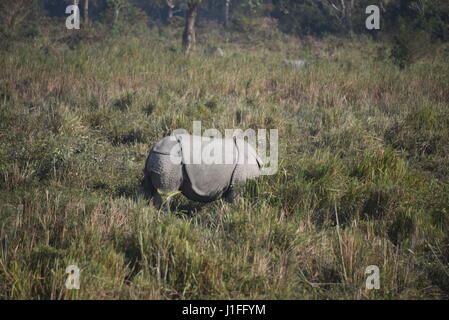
x,y
208,166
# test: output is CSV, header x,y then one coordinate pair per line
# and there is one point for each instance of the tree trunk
x,y
188,37
76,3
117,12
226,12
170,7
86,12
350,11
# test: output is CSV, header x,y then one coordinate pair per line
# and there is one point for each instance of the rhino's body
x,y
295,63
175,163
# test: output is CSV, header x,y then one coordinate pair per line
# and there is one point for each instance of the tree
x,y
343,10
86,11
116,5
227,4
170,7
304,17
188,36
15,16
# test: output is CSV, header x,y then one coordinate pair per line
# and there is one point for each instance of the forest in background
x,y
410,25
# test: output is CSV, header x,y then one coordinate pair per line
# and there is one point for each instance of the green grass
x,y
363,175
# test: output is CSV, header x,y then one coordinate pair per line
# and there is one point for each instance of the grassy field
x,y
363,170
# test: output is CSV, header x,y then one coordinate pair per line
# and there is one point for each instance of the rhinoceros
x,y
295,63
203,169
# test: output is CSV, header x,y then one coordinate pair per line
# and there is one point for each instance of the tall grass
x,y
363,176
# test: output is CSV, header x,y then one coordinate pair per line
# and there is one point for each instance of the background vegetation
x,y
363,177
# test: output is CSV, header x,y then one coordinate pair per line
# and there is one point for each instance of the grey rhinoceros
x,y
295,63
204,169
